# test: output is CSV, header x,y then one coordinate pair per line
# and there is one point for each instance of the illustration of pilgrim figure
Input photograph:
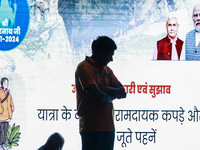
x,y
6,109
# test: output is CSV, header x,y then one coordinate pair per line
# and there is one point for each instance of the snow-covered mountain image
x,y
61,31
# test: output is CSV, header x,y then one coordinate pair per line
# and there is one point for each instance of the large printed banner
x,y
42,42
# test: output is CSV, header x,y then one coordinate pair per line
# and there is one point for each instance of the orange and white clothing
x,y
94,116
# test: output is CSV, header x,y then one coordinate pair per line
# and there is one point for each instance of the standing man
x,y
170,47
97,87
192,45
6,110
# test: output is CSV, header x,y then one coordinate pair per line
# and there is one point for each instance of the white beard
x,y
197,28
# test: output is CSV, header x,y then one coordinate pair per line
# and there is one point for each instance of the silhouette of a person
x,y
54,142
97,87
